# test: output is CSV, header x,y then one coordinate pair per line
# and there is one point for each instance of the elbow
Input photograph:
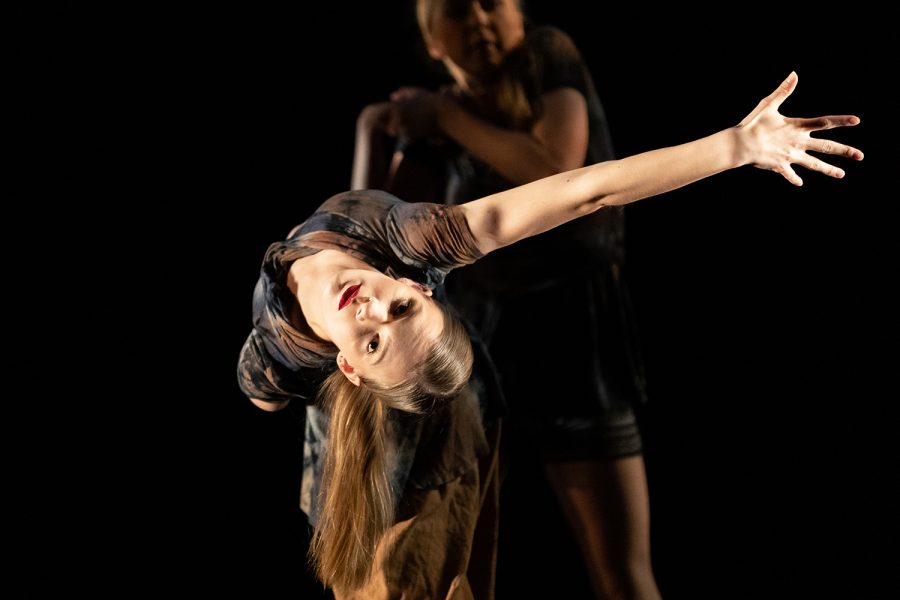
x,y
614,199
591,206
269,406
373,116
367,117
583,186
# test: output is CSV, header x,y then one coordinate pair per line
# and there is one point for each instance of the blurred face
x,y
475,34
383,327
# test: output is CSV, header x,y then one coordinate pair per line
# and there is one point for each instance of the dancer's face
x,y
475,34
383,327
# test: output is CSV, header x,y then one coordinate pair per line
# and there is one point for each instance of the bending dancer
x,y
346,310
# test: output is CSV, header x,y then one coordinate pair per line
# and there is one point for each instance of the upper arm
x,y
432,238
261,378
483,217
563,127
509,216
563,132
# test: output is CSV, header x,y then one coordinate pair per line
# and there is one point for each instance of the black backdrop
x,y
765,310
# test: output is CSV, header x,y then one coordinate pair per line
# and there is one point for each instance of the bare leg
x,y
607,505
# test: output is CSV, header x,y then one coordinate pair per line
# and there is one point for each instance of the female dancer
x,y
407,482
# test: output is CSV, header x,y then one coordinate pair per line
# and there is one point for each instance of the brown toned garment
x,y
442,465
454,524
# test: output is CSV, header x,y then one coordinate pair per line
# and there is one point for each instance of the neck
x,y
304,278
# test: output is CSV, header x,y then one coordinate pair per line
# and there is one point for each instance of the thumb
x,y
784,90
774,99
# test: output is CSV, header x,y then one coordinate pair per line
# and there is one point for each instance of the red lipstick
x,y
348,295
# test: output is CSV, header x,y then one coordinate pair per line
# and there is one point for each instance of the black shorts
x,y
608,435
567,367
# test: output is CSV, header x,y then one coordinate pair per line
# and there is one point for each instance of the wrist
x,y
740,143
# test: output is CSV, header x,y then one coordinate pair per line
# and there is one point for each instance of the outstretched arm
x,y
765,139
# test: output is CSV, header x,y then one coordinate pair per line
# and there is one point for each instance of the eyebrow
x,y
389,342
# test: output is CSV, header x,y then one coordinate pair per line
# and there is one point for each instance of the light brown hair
x,y
512,99
356,503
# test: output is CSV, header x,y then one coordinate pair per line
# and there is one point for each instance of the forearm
x,y
370,158
528,210
516,155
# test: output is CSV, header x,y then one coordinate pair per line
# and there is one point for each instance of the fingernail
x,y
854,120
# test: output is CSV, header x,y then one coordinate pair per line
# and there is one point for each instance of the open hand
x,y
411,113
769,140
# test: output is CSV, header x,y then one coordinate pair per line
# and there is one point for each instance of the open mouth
x,y
348,295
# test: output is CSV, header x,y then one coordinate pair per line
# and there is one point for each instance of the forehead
x,y
460,8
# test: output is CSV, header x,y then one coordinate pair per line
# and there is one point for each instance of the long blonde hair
x,y
356,503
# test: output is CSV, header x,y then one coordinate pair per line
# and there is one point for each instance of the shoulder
x,y
348,214
552,43
417,218
359,202
433,238
262,376
552,57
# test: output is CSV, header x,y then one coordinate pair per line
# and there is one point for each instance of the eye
x,y
400,308
372,346
456,9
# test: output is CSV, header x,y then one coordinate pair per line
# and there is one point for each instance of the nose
x,y
478,14
370,309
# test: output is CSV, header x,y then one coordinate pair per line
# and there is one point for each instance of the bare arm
x,y
765,139
556,143
372,153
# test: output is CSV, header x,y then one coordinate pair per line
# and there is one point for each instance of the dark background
x,y
766,311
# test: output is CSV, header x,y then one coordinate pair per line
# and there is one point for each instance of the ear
x,y
436,49
347,369
415,285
